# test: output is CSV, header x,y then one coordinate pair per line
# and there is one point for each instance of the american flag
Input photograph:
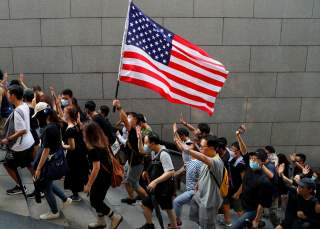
x,y
155,58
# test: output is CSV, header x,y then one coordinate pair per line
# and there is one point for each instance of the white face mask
x,y
64,102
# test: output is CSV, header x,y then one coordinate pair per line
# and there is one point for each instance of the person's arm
x,y
280,169
317,208
140,143
93,175
44,156
239,191
180,171
197,155
267,171
243,146
165,176
122,114
21,80
189,126
255,222
71,144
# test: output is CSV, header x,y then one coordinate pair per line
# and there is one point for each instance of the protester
x,y
256,194
100,176
135,156
161,180
51,145
207,200
76,155
192,169
18,138
66,98
104,111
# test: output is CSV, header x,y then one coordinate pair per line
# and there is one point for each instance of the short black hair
x,y
90,105
270,149
204,128
222,143
183,132
154,138
14,82
105,109
212,141
1,75
16,90
68,92
28,95
141,118
261,155
302,156
236,144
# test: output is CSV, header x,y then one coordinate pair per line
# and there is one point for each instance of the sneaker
x,y
116,219
16,190
101,223
147,226
222,222
75,198
67,202
49,215
32,195
128,201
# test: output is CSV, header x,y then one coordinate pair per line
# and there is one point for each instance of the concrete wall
x,y
271,47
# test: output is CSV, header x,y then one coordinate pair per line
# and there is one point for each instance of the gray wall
x,y
271,47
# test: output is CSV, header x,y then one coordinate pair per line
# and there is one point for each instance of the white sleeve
x,y
19,123
166,161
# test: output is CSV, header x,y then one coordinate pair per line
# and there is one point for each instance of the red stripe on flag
x,y
171,88
169,75
162,92
185,58
190,45
195,74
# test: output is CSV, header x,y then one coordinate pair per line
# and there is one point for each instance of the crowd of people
x,y
56,140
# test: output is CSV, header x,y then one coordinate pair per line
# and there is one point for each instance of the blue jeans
x,y
181,200
240,222
49,191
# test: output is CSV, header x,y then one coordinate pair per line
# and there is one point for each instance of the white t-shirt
x,y
22,123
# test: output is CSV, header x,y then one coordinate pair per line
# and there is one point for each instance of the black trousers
x,y
98,193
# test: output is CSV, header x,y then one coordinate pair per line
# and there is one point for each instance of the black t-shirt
x,y
75,133
235,171
132,148
51,137
106,127
100,155
257,189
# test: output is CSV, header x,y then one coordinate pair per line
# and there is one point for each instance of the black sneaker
x,y
75,198
147,226
128,201
32,195
16,190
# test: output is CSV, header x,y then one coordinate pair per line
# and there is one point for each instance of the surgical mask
x,y
254,165
314,178
147,149
64,102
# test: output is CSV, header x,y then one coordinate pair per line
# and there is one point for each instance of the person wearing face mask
x,y
256,193
66,98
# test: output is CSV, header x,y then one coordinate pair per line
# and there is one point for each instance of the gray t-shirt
x,y
208,193
165,159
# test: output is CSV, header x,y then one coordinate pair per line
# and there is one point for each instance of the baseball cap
x,y
40,107
307,183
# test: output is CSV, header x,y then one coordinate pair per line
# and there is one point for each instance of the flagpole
x,y
124,38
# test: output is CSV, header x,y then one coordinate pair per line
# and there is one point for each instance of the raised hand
x,y
281,168
21,77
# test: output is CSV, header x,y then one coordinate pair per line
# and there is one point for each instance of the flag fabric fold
x,y
155,58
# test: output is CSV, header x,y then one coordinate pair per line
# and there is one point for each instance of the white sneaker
x,y
49,215
116,219
67,202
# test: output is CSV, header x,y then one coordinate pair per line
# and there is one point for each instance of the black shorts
x,y
165,202
19,159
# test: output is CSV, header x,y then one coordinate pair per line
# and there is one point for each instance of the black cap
x,y
307,183
261,155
